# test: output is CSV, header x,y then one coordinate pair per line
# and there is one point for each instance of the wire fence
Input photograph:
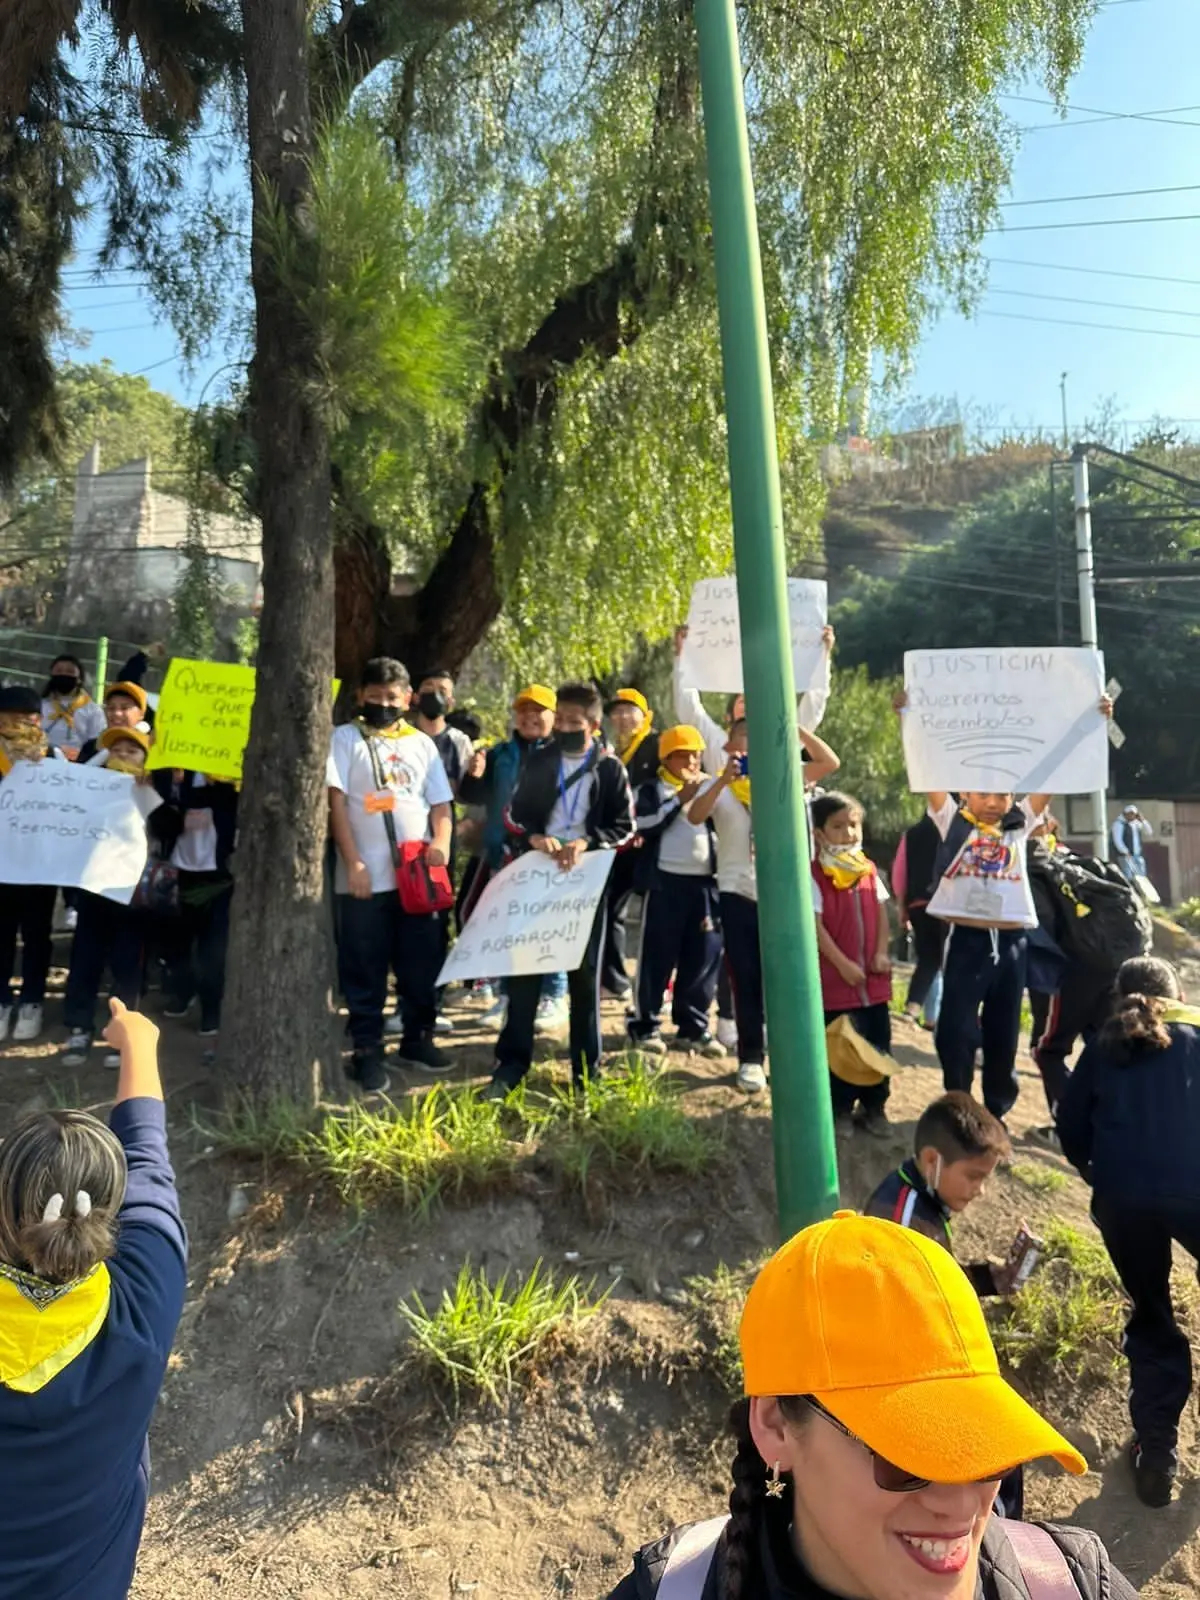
x,y
27,653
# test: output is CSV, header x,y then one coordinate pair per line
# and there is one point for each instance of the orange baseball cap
x,y
881,1326
630,697
682,737
537,694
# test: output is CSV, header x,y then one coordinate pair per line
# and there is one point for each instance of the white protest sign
x,y
712,652
78,827
1017,720
530,918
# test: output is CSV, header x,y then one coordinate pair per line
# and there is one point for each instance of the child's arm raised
x,y
705,803
822,761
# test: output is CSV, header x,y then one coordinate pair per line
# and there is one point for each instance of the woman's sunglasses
x,y
888,1476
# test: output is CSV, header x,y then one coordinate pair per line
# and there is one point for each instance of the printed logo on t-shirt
x,y
397,772
989,862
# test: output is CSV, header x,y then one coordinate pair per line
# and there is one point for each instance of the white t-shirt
x,y
196,848
735,846
684,848
88,722
414,780
881,893
568,820
987,883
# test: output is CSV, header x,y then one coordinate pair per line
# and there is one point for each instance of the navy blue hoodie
x,y
74,1462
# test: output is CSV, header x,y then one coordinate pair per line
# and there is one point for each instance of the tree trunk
x,y
279,1033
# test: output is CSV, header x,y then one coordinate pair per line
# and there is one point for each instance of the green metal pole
x,y
805,1160
101,666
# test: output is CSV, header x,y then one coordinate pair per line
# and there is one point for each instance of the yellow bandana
x,y
1176,1011
992,829
22,742
669,778
398,730
131,768
44,1326
845,867
64,710
639,738
741,790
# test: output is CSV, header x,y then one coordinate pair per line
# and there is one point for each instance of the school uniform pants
x,y
614,974
107,935
743,960
197,940
28,910
1081,1005
680,934
1139,1239
875,1025
929,941
514,1048
984,979
376,935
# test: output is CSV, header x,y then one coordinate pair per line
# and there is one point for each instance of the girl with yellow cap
x,y
874,1433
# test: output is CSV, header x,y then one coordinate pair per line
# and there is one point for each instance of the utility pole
x,y
1056,550
1062,389
1086,571
802,1119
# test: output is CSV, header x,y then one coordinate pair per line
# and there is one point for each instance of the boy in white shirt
x,y
381,769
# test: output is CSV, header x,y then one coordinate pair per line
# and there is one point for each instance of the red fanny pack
x,y
423,889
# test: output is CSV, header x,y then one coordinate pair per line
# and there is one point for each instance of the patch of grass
x,y
715,1301
1071,1312
487,1337
632,1121
279,1129
442,1144
1188,914
1041,1179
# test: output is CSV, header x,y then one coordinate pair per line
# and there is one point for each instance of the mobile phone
x,y
1023,1255
742,763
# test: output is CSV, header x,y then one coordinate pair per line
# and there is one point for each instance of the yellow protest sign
x,y
203,718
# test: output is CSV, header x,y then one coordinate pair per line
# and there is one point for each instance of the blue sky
x,y
1003,369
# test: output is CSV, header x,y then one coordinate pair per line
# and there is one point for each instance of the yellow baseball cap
x,y
112,736
882,1328
854,1059
537,694
131,691
681,737
629,697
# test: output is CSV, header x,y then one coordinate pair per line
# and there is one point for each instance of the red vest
x,y
851,917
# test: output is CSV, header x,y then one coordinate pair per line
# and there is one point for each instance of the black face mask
x,y
575,742
433,704
63,683
381,716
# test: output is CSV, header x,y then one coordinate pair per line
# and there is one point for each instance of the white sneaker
x,y
440,1025
78,1048
751,1077
483,994
727,1032
71,919
112,1060
393,1024
29,1022
7,1013
496,1015
551,1016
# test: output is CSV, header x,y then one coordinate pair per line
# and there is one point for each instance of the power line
x,y
1095,272
1098,222
1168,114
1105,327
1110,194
1108,305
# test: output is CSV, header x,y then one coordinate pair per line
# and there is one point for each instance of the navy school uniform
x,y
676,869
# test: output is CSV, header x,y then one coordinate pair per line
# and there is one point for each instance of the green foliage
x,y
861,727
993,582
1189,914
486,1338
715,1301
1070,1314
1041,1179
629,1122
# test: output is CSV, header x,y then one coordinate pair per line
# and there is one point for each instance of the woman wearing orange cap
x,y
872,1441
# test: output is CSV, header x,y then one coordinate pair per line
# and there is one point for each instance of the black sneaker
x,y
1153,1484
365,1067
425,1056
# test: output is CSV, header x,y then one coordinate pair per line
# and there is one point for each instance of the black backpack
x,y
1100,920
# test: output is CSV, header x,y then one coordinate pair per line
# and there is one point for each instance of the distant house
x,y
127,554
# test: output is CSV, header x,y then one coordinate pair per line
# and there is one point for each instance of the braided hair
x,y
741,1571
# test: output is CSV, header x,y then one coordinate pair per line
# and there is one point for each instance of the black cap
x,y
19,698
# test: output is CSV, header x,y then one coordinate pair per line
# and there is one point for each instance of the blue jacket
x,y
74,1462
1133,1127
503,767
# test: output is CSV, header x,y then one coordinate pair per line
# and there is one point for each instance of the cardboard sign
x,y
530,918
203,718
1017,720
77,827
712,651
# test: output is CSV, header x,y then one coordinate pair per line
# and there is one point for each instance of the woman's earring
x,y
775,1485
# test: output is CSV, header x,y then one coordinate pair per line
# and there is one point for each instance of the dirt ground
x,y
277,1474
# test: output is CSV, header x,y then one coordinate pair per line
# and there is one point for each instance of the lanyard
x,y
574,782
